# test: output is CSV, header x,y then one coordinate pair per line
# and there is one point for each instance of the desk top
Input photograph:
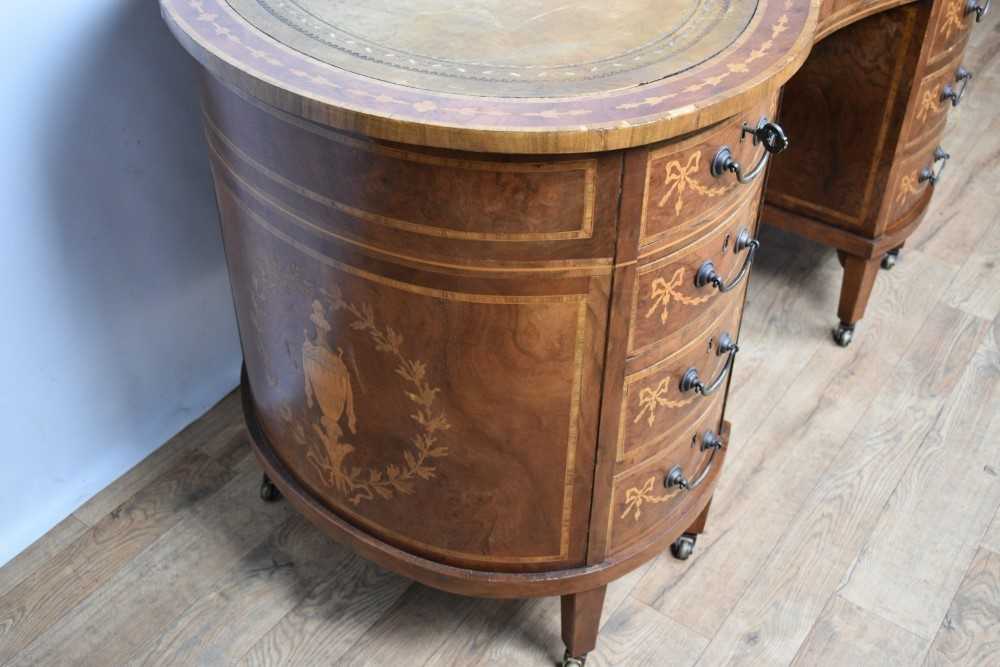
x,y
493,75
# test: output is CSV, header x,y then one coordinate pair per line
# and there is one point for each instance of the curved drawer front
x,y
445,409
668,307
656,408
950,28
929,111
643,503
463,208
682,195
910,180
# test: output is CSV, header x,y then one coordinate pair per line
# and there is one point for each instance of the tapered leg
x,y
581,618
859,278
683,547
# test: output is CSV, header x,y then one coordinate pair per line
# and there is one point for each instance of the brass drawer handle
x,y
927,173
707,275
962,76
676,478
691,380
980,10
768,134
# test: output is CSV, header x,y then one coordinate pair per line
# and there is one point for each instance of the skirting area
x,y
857,526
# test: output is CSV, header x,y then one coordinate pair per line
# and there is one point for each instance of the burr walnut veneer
x,y
489,263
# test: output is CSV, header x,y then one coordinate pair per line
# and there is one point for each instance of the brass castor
x,y
890,259
269,493
683,547
843,334
573,661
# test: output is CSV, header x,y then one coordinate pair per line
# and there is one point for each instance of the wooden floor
x,y
856,522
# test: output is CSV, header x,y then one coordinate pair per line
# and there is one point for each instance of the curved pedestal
x,y
488,340
458,580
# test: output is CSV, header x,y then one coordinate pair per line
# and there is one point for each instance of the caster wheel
x,y
683,547
573,661
268,491
890,259
843,334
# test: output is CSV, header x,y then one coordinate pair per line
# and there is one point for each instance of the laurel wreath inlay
x,y
329,459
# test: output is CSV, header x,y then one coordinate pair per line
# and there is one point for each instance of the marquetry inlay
x,y
498,48
653,398
663,292
637,495
907,187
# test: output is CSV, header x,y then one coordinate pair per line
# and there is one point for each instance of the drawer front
x,y
682,195
644,500
950,28
668,307
933,99
658,406
913,177
462,209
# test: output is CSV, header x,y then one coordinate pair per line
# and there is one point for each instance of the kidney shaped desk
x,y
489,263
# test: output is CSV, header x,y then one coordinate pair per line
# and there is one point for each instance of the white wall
x,y
116,328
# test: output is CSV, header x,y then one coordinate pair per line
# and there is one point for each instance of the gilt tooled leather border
x,y
216,27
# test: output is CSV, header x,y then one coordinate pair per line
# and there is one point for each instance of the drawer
x,y
659,403
415,203
647,497
668,306
950,28
681,194
912,178
937,93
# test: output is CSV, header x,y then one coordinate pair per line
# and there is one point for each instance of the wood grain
x,y
41,551
97,557
331,615
948,232
991,540
806,506
213,434
637,635
970,633
516,631
913,563
788,594
845,634
119,621
811,398
751,69
222,626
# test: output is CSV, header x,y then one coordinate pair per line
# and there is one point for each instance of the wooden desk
x,y
489,266
868,112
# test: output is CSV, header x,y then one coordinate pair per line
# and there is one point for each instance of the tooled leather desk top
x,y
533,76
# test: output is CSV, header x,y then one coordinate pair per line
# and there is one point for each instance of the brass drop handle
x,y
707,275
980,10
675,477
691,380
768,134
962,77
928,174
